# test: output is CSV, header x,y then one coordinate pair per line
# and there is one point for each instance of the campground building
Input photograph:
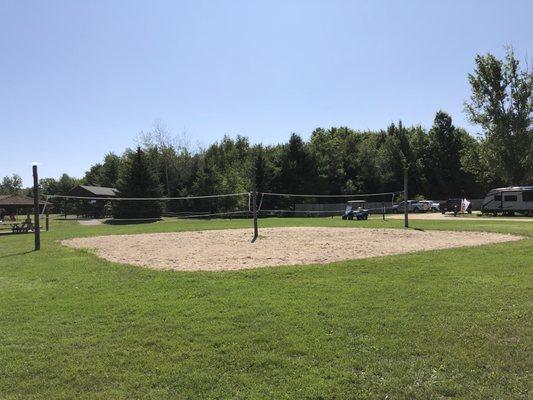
x,y
93,191
92,207
15,204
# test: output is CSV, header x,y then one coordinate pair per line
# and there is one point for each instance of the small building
x,y
93,207
16,204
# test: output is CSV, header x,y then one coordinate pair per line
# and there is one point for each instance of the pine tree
x,y
443,165
137,179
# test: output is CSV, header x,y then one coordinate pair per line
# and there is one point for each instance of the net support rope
x,y
45,204
260,202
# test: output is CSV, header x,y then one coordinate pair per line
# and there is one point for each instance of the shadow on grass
x,y
132,221
20,253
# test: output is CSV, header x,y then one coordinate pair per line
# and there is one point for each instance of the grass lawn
x,y
442,324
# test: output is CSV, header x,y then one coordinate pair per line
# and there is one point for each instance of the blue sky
x,y
80,79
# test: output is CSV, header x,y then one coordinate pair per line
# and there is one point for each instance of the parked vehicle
x,y
454,206
434,206
356,209
508,201
412,206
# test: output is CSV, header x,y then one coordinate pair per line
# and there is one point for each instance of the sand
x,y
230,249
90,222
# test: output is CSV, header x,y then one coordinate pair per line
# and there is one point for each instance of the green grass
x,y
441,324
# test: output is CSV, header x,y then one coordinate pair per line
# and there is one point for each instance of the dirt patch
x,y
90,222
231,249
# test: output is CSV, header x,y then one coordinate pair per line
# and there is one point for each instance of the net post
x,y
406,196
383,209
254,212
36,227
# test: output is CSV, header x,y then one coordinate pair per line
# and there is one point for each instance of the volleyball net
x,y
323,205
116,209
232,205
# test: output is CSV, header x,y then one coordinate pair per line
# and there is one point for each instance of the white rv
x,y
509,200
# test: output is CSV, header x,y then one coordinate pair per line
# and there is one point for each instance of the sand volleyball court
x,y
230,249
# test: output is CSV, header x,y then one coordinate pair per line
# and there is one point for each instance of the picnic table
x,y
23,227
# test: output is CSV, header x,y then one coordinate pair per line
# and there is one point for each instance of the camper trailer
x,y
509,200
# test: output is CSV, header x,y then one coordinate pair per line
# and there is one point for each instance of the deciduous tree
x,y
502,104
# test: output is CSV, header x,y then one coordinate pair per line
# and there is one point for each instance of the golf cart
x,y
355,209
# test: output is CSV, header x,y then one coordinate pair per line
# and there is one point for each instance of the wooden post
x,y
383,208
47,221
36,228
254,211
406,197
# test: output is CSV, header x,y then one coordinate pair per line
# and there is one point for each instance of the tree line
x,y
443,161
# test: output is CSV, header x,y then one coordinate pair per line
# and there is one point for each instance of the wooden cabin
x,y
92,207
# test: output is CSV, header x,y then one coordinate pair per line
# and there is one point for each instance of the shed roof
x,y
16,200
100,190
